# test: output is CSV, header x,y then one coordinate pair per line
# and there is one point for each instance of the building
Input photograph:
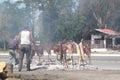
x,y
102,39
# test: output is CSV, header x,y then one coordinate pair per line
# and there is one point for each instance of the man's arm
x,y
32,38
19,36
33,41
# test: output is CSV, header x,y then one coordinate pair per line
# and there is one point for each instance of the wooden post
x,y
104,42
92,41
113,42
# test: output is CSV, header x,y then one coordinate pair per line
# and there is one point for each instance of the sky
x,y
12,1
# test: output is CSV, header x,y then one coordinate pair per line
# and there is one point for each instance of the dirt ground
x,y
64,74
41,74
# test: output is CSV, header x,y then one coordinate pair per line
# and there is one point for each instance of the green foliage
x,y
57,20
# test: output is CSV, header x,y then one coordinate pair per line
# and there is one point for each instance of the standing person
x,y
26,40
12,46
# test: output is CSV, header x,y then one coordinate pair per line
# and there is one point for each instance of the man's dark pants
x,y
24,49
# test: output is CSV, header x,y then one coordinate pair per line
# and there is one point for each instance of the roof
x,y
108,31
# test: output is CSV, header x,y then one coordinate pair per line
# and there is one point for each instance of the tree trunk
x,y
4,46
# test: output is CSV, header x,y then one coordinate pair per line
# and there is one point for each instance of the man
x,y
13,45
26,40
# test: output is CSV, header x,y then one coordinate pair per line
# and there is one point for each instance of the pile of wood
x,y
6,70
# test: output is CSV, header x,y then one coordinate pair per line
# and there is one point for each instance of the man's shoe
x,y
16,63
19,70
29,70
